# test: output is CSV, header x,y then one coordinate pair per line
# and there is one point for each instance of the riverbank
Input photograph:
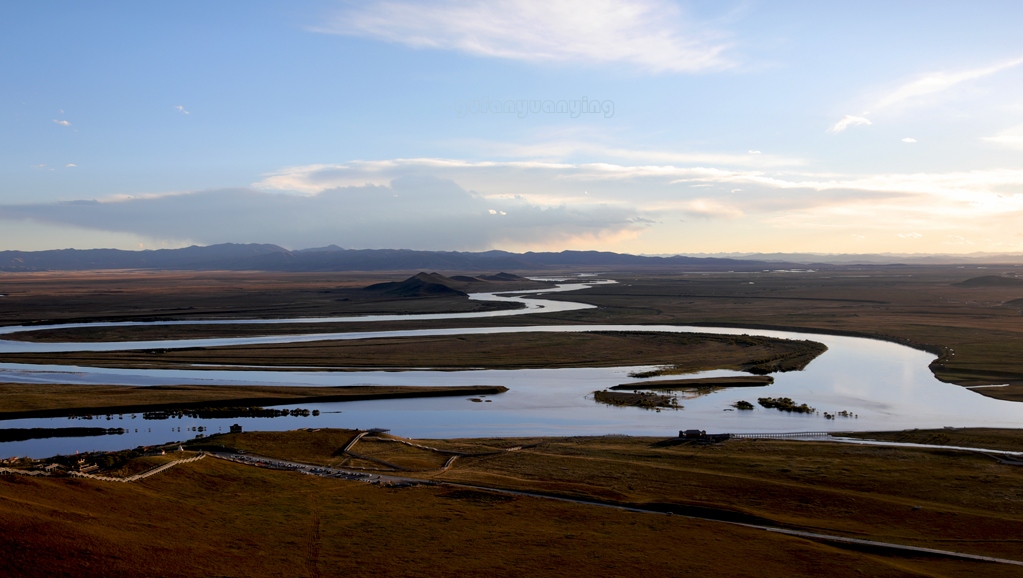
x,y
22,400
989,438
699,383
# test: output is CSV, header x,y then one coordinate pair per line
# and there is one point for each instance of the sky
x,y
648,126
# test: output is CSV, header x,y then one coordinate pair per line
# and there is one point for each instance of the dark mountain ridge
x,y
262,257
419,285
425,284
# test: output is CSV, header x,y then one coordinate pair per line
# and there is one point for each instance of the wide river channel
x,y
884,385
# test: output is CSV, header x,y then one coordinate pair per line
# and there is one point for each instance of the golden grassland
x,y
20,400
919,497
214,518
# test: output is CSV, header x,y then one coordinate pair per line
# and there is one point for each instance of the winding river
x,y
884,385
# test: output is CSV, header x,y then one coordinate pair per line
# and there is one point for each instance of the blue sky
x,y
718,126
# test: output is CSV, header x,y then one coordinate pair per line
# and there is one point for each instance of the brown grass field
x,y
686,352
22,400
991,438
180,295
213,518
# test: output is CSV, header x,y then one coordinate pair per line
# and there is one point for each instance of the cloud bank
x,y
454,204
410,212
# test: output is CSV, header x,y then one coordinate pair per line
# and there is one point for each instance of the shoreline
x,y
270,396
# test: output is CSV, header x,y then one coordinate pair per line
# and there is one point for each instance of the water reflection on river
x,y
887,385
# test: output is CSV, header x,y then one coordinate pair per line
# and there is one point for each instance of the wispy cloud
x,y
70,165
61,122
576,149
936,82
652,34
848,121
181,109
1012,138
920,89
909,139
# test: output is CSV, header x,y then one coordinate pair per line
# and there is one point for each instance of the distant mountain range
x,y
255,257
875,258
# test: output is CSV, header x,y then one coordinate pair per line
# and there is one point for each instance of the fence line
x,y
790,435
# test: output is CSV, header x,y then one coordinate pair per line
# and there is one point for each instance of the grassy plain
x,y
23,400
991,438
686,352
213,518
857,491
83,296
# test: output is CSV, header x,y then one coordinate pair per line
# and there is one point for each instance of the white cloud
x,y
1012,138
924,89
909,235
181,109
70,165
560,150
909,139
652,34
61,122
847,121
935,82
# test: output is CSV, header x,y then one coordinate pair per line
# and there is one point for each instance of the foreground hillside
x,y
217,518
